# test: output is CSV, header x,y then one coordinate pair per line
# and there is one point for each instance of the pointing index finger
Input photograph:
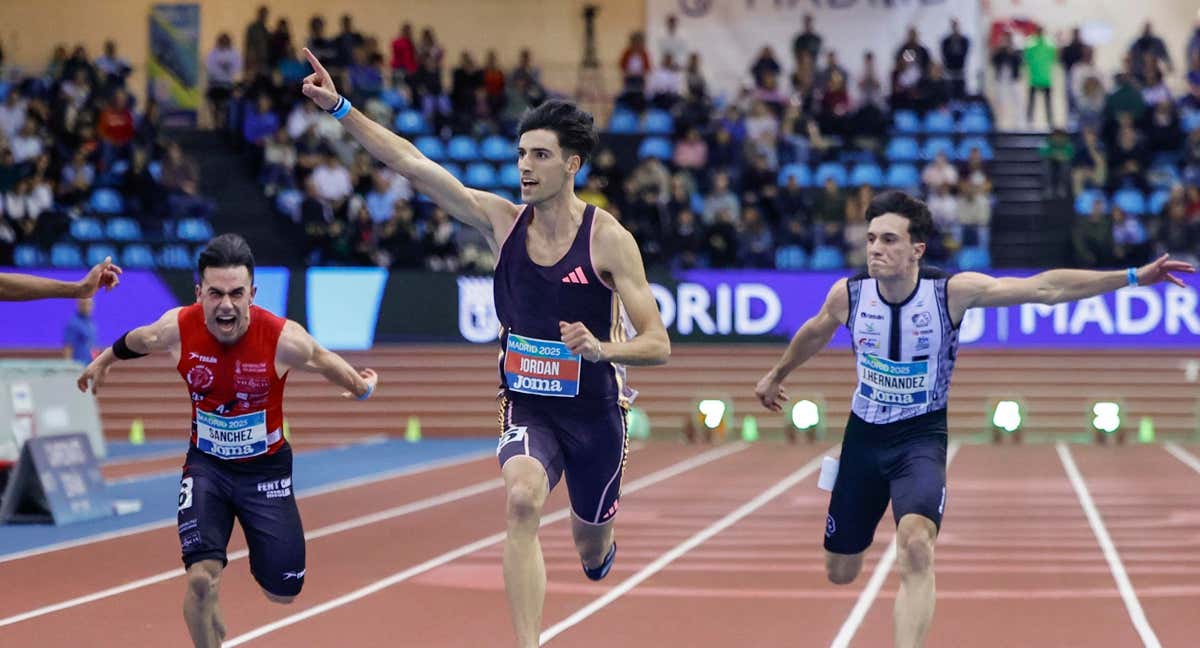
x,y
316,65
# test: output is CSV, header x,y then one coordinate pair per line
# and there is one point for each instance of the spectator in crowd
x,y
664,86
939,173
260,124
404,55
257,45
79,336
854,236
808,41
1150,44
1006,72
766,64
975,215
671,43
756,244
1089,169
943,206
1128,159
721,200
691,152
347,41
224,68
721,244
1072,55
955,47
829,214
911,51
112,68
280,43
1131,245
1092,238
1040,55
635,66
1056,152
1179,236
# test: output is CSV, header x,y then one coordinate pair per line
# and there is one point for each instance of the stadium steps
x,y
1028,231
228,177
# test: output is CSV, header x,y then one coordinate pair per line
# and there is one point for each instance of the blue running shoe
x,y
598,573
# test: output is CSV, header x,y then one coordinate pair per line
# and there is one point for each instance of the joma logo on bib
x,y
537,384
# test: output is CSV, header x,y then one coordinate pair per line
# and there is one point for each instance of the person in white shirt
x,y
671,44
332,181
939,173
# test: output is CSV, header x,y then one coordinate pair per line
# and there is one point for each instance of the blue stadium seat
x,y
1163,176
799,171
1085,200
1158,200
658,122
107,201
866,174
496,149
935,145
287,202
1131,201
510,177
431,147
86,228
411,122
623,122
655,147
974,122
830,170
974,258
582,174
462,149
480,175
1190,120
906,121
394,100
123,229
155,169
968,143
791,257
903,176
65,255
902,149
826,257
137,256
194,230
939,121
174,257
96,253
27,256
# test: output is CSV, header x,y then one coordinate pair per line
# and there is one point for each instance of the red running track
x,y
720,552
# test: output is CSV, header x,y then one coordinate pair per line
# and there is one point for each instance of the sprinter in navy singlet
x,y
567,274
904,321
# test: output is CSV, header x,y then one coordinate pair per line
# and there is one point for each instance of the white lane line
x,y
1128,595
682,548
866,598
353,482
482,543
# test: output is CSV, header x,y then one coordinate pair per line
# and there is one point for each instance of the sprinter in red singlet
x,y
235,358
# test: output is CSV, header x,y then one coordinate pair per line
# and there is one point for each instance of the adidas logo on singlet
x,y
575,276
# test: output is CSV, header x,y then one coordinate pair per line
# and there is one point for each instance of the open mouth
x,y
226,322
528,184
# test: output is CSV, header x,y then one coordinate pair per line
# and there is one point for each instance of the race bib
x,y
541,367
232,437
902,384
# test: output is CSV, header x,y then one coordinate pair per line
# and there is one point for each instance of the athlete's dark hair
x,y
226,251
574,127
920,222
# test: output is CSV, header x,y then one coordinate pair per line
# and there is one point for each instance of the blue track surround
x,y
312,470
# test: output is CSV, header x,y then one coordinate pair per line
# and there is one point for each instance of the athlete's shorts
x,y
903,461
259,494
584,439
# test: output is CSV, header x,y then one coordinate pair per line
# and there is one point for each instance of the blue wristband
x,y
370,390
341,108
1131,273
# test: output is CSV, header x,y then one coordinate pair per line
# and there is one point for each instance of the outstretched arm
x,y
811,338
22,287
618,256
298,349
972,289
487,212
161,336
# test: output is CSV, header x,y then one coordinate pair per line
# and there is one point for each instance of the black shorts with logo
x,y
257,492
904,462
